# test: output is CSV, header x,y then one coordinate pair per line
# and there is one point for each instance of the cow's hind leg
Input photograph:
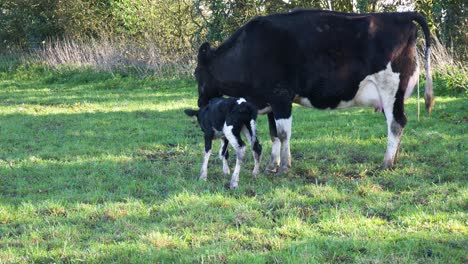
x,y
395,127
396,121
232,133
274,162
224,155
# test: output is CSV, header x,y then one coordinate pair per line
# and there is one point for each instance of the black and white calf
x,y
226,119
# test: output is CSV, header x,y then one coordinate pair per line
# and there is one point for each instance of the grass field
x,y
98,168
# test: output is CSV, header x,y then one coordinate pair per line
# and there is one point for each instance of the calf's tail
x,y
249,119
428,90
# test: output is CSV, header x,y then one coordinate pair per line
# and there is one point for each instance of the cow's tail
x,y
428,90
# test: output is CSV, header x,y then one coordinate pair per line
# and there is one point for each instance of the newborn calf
x,y
226,118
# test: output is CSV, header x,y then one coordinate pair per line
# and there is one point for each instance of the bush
x,y
451,81
118,56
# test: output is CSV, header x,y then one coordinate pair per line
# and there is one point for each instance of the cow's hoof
x,y
386,166
271,168
226,171
233,185
203,177
281,170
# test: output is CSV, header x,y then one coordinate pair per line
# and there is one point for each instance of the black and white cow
x,y
226,119
319,59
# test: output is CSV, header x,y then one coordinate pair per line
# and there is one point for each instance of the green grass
x,y
99,168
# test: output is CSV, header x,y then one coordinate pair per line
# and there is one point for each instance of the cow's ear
x,y
190,112
204,48
204,53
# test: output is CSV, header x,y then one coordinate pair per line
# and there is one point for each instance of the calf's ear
x,y
190,112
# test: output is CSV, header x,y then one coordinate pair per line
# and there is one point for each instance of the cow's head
x,y
207,87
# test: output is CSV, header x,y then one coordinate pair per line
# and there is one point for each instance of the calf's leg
x,y
249,131
206,158
224,155
232,133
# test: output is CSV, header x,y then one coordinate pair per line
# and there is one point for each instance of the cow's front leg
x,y
283,126
274,162
283,120
206,157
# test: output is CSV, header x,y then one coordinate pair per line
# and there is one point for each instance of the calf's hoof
x,y
202,177
255,172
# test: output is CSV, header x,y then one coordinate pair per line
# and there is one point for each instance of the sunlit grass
x,y
100,168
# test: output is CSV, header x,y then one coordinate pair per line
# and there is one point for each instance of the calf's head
x,y
191,112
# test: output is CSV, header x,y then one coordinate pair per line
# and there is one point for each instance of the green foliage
x,y
222,18
27,23
170,24
9,62
448,19
98,168
451,81
183,24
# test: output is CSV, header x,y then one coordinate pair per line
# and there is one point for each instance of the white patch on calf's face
x,y
241,100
